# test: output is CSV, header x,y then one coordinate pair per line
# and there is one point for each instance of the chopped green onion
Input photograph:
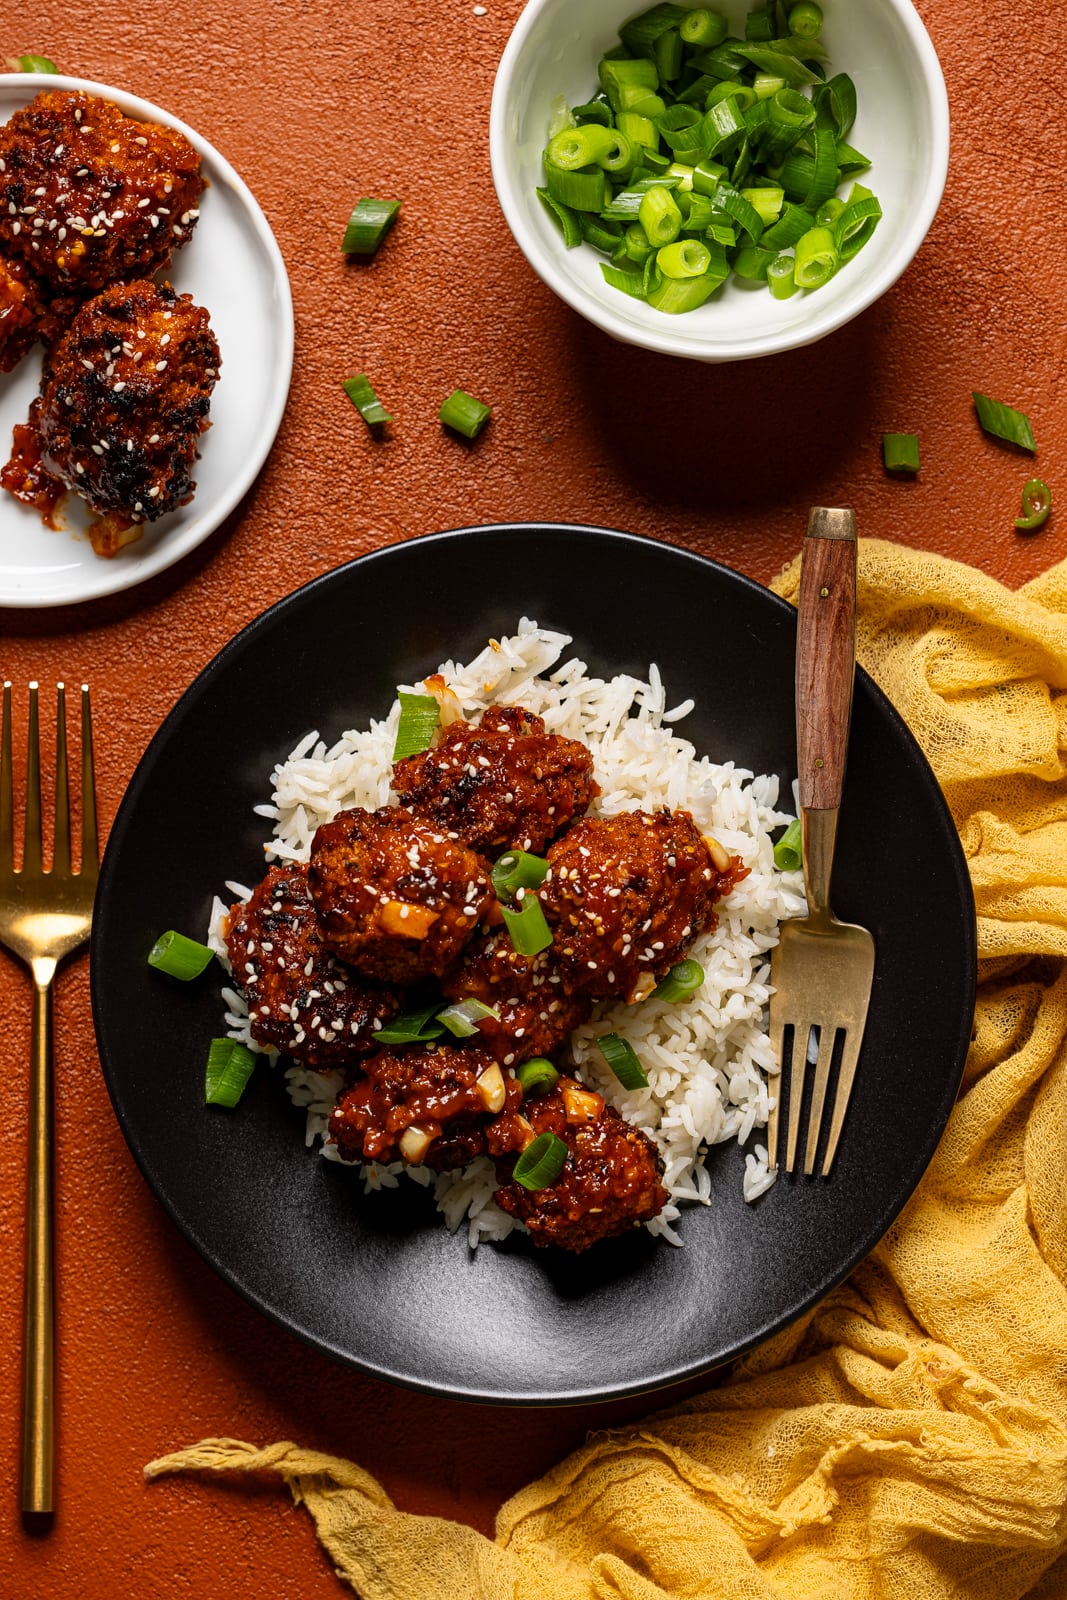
x,y
517,869
464,413
753,264
565,216
686,258
179,956
622,1059
681,983
368,226
31,63
759,25
780,279
226,1072
900,452
835,103
641,34
1004,422
536,1076
659,215
805,20
676,295
630,280
412,1027
754,125
582,189
541,1162
578,147
854,224
560,116
359,391
816,259
419,717
592,111
788,856
527,929
463,1018
702,27
1037,503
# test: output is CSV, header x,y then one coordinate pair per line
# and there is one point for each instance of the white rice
x,y
709,1062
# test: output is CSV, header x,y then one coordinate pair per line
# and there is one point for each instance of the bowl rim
x,y
668,341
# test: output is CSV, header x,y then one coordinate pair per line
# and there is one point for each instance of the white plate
x,y
233,267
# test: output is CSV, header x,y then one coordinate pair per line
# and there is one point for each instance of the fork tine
x,y
31,854
849,1057
776,1032
798,1068
7,839
90,840
61,837
827,1035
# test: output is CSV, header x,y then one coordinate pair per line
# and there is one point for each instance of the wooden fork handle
x,y
826,655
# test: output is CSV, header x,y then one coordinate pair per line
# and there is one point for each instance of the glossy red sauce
x,y
26,477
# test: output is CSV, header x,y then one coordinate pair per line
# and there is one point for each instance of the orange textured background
x,y
316,103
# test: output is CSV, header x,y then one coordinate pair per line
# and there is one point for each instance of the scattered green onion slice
x,y
359,391
900,452
463,1018
464,413
1004,422
32,63
1037,503
681,983
526,925
368,225
226,1072
787,852
412,1027
419,717
517,869
536,1076
179,956
622,1059
541,1162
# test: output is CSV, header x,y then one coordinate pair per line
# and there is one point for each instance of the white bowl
x,y
902,124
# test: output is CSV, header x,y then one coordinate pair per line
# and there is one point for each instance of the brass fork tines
x,y
822,969
45,914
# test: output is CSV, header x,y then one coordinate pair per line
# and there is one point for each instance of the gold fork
x,y
44,916
822,969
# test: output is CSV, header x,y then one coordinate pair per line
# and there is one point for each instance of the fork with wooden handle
x,y
44,915
822,969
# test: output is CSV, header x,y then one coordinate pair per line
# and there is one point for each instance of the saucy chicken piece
x,y
611,1180
89,196
535,1012
426,1105
125,395
503,783
301,999
395,896
625,897
21,310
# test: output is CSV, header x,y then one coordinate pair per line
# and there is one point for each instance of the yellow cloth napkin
x,y
909,1436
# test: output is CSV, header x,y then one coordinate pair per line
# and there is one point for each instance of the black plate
x,y
378,1281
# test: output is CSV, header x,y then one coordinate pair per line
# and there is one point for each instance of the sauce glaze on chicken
x,y
398,903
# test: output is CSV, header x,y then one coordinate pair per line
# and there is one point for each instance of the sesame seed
x,y
160,365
